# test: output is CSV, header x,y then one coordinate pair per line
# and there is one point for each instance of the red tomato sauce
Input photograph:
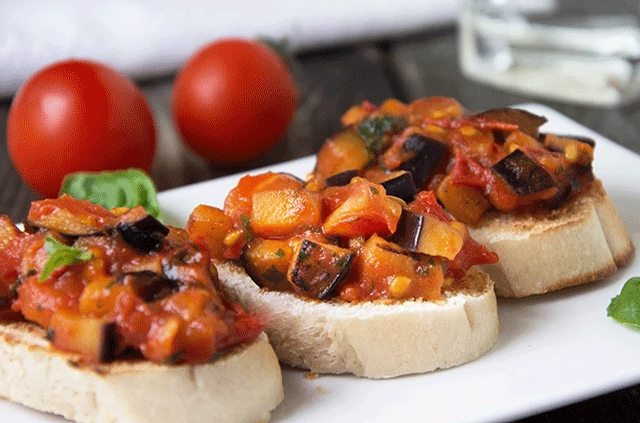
x,y
163,304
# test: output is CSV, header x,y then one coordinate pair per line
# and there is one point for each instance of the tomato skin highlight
x,y
233,100
78,115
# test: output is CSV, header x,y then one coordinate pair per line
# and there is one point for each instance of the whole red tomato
x,y
233,100
78,115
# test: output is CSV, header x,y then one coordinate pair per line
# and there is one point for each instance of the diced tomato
x,y
361,208
470,173
471,254
426,202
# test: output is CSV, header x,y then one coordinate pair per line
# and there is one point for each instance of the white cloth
x,y
151,37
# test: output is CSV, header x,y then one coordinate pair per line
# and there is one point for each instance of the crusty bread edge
x,y
583,241
375,340
34,374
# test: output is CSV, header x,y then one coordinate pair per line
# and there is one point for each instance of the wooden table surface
x,y
330,81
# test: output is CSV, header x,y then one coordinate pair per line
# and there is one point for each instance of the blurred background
x,y
342,53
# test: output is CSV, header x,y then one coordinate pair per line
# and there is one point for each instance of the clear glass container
x,y
583,52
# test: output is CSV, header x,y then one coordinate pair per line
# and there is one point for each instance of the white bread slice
x,y
34,374
374,339
583,241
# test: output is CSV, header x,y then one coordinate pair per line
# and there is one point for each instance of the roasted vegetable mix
x,y
110,282
343,238
474,162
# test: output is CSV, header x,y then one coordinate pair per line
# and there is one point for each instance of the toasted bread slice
x,y
138,391
583,241
374,339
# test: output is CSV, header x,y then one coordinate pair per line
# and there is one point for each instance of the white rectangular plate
x,y
553,350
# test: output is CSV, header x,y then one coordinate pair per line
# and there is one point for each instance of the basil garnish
x,y
61,255
625,308
111,189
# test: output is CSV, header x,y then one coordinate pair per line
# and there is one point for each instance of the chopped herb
x,y
50,335
373,131
246,227
625,308
61,255
280,253
374,190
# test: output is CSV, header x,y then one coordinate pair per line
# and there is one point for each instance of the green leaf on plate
x,y
110,189
625,308
61,255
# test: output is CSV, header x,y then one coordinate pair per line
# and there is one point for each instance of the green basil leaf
x,y
625,308
61,255
110,189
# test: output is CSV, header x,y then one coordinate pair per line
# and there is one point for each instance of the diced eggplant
x,y
581,138
94,338
523,174
344,151
406,274
65,223
560,198
428,235
317,269
267,261
342,178
142,231
108,342
408,231
429,154
401,185
150,286
527,122
578,151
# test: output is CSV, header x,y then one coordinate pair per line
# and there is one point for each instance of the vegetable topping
x,y
475,163
107,282
344,239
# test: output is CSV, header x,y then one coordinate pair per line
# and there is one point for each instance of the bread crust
x,y
138,391
374,339
583,241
